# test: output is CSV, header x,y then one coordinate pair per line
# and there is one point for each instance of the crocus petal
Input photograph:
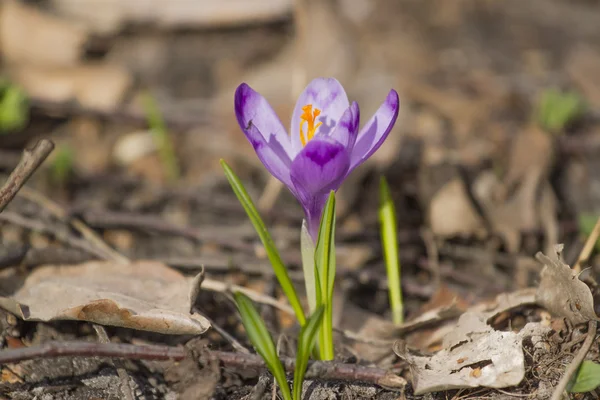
x,y
320,167
346,130
373,134
273,157
252,108
264,131
325,94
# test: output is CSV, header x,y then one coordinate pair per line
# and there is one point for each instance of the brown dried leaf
x,y
531,207
475,355
582,66
109,15
99,87
451,212
30,36
562,293
144,295
523,201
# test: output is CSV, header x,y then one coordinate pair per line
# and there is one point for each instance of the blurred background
x,y
493,157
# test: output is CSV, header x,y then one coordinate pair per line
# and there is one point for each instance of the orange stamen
x,y
309,116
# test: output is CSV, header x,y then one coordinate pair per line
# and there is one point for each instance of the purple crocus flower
x,y
325,144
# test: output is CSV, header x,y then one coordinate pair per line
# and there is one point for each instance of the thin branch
x,y
317,369
121,219
576,362
91,349
30,161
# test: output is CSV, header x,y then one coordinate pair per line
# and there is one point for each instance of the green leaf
x,y
587,378
558,109
389,240
325,275
161,137
62,164
272,253
306,342
262,341
14,107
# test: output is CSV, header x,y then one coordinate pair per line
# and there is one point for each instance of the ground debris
x,y
562,293
474,355
142,295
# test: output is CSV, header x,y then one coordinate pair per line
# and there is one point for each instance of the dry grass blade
x,y
588,247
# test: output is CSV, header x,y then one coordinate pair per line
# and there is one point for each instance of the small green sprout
x,y
263,343
14,107
556,109
161,136
62,164
389,240
586,379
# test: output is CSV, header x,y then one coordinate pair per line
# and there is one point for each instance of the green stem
x,y
307,251
326,335
389,239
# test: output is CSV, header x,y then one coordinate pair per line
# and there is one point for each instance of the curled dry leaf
x,y
144,295
562,293
29,36
475,355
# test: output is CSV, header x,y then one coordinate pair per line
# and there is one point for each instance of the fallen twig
x,y
30,161
121,219
576,362
318,369
91,349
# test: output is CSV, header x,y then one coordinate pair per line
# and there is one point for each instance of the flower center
x,y
309,116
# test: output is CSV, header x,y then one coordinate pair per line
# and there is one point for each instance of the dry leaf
x,y
532,207
523,201
583,66
99,87
451,212
144,295
30,36
109,15
475,356
562,293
